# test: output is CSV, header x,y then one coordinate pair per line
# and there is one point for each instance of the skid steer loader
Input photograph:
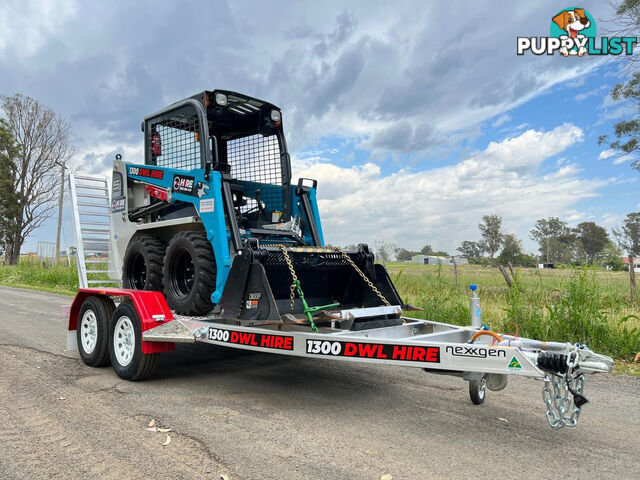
x,y
213,220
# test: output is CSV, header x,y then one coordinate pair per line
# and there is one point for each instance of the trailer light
x,y
196,333
221,99
275,115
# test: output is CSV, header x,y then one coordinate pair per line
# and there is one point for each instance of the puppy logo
x,y
573,26
573,33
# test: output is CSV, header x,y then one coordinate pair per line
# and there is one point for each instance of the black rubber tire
x,y
102,308
142,265
478,391
141,364
189,273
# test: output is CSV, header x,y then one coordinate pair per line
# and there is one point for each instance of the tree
x,y
471,250
593,238
385,252
629,239
43,141
491,231
8,199
426,250
627,132
554,237
611,257
403,255
511,250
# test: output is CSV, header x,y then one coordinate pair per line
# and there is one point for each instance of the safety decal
x,y
206,205
264,340
379,351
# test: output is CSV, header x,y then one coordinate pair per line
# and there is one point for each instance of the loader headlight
x,y
276,116
221,99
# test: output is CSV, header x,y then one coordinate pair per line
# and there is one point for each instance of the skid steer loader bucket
x,y
259,287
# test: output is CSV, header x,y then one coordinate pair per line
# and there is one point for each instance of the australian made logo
x,y
573,32
514,364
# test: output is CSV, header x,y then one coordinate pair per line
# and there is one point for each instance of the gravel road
x,y
257,416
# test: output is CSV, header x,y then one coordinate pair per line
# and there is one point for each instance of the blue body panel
x,y
213,218
213,221
296,210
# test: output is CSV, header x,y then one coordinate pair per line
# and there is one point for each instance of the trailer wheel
x,y
142,265
125,345
92,331
189,273
478,390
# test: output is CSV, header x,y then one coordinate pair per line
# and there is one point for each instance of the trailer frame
x,y
468,352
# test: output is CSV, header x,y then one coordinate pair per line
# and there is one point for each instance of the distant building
x,y
636,263
433,260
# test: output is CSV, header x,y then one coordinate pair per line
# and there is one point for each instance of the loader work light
x,y
221,99
275,116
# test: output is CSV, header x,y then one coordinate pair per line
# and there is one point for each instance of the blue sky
x,y
416,122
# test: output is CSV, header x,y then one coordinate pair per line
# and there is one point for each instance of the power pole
x,y
60,200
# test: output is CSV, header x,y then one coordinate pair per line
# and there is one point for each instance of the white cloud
x,y
622,159
501,120
606,154
399,80
442,206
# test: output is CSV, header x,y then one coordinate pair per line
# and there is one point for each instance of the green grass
x,y
29,273
576,305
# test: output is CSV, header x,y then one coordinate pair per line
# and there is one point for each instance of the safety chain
x,y
364,277
556,394
294,277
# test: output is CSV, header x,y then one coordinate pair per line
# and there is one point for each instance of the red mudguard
x,y
152,309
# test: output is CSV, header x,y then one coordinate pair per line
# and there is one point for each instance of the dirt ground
x,y
240,415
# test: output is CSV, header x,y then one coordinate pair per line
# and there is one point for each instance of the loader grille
x,y
178,145
326,260
256,164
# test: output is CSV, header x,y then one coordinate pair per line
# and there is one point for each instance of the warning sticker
x,y
206,205
380,351
264,340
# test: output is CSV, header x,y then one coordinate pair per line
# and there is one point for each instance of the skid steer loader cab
x,y
213,219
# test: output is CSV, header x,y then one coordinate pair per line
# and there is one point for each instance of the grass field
x,y
577,305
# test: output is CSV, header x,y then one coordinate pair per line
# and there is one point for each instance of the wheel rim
x,y
182,273
89,331
482,387
124,340
137,272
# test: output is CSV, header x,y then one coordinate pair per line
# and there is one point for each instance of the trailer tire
x,y
125,345
478,390
142,264
189,273
92,331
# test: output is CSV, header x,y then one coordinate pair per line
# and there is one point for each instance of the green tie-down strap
x,y
309,310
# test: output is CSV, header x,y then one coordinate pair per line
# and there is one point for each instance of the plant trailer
x,y
213,244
